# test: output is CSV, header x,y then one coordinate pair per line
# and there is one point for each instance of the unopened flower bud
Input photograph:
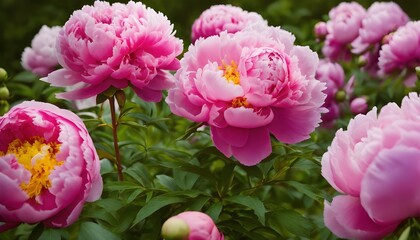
x,y
175,229
358,105
4,93
418,72
320,30
340,96
3,75
361,61
4,107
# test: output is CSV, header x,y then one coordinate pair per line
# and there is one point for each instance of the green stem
x,y
115,135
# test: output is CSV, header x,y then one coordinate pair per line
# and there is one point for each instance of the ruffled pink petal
x,y
295,124
233,136
148,95
63,78
248,117
181,105
346,218
256,149
308,60
390,185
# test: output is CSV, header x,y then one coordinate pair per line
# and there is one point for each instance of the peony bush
x,y
171,120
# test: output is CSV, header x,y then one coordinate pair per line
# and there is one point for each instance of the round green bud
x,y
340,96
4,93
175,229
3,75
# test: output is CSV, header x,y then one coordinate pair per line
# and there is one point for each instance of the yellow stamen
x,y
240,102
230,72
39,158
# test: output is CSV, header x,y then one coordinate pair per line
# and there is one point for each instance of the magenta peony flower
x,y
116,45
342,28
402,50
246,86
382,18
320,30
220,18
48,166
40,58
376,165
191,225
332,74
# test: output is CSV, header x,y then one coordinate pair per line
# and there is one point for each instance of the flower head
x,y
117,45
382,18
48,166
333,76
41,58
375,163
191,225
246,86
402,50
220,18
342,28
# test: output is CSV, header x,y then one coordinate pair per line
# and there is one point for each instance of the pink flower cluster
x,y
40,58
117,45
48,166
376,165
191,225
219,18
248,85
352,30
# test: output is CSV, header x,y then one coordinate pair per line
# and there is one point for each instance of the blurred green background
x,y
20,20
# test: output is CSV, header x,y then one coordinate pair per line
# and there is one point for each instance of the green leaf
x,y
91,230
405,234
253,203
215,210
37,231
155,204
290,221
306,189
167,182
51,234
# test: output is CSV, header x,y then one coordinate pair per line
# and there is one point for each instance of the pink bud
x,y
191,225
320,30
358,105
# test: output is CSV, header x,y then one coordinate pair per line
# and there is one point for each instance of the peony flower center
x,y
37,157
230,72
240,102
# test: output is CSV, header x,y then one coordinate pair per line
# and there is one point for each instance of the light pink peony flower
x,y
332,74
342,28
376,165
116,45
320,30
402,50
40,58
194,226
246,86
382,18
48,166
220,18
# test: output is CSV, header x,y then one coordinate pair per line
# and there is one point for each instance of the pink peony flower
x,y
320,30
117,45
48,166
342,28
246,86
191,225
382,18
40,58
220,18
402,50
376,165
332,74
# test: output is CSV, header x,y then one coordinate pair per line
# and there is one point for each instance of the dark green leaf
x,y
91,230
290,221
253,203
